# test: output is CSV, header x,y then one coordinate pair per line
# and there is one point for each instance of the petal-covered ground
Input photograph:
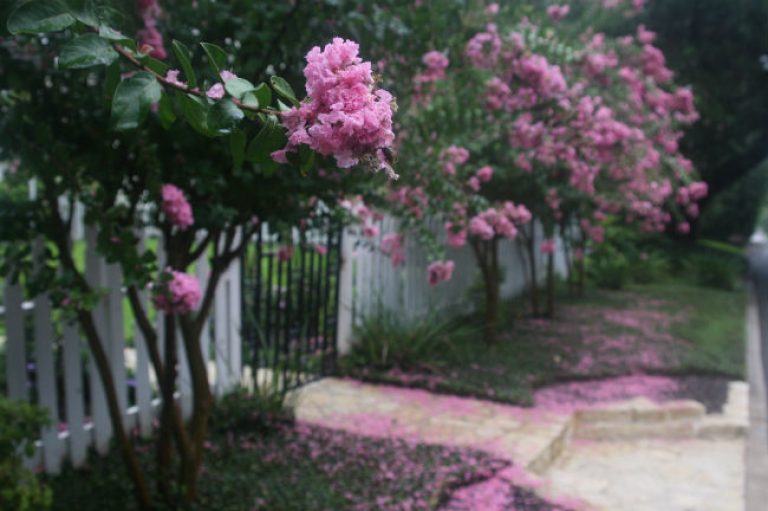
x,y
663,342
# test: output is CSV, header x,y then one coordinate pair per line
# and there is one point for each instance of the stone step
x,y
641,410
719,427
611,431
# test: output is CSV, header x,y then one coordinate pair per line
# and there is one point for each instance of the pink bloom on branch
x,y
480,228
172,76
457,235
285,253
180,295
227,75
474,183
370,231
175,207
558,12
547,247
392,246
484,174
216,92
683,227
439,271
344,115
492,9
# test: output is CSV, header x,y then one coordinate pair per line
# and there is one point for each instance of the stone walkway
x,y
634,455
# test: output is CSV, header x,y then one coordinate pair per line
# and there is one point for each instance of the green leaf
x,y
237,147
283,89
111,79
224,116
269,139
110,34
307,159
195,112
264,95
86,51
39,16
84,12
155,65
133,98
165,113
182,54
238,87
217,56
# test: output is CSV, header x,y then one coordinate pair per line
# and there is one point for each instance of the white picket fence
x,y
56,344
370,283
57,372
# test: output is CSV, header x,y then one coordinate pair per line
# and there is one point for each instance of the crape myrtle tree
x,y
149,133
575,128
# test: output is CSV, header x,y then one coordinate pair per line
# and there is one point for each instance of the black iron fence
x,y
290,304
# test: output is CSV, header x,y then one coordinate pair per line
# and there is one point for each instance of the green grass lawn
x,y
665,328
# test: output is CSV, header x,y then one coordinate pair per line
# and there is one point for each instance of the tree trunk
x,y
167,389
534,289
486,253
550,312
140,487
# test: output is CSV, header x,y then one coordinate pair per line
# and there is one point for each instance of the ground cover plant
x,y
296,467
669,328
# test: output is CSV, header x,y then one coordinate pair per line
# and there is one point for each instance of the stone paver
x,y
520,434
612,457
652,475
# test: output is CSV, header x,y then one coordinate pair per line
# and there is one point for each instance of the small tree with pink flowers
x,y
193,151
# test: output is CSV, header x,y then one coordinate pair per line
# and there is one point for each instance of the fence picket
x,y
15,350
73,394
94,269
46,382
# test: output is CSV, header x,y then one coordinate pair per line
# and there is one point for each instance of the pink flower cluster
x,y
453,156
439,271
484,48
392,246
180,295
548,246
344,115
436,63
499,222
150,38
558,12
176,208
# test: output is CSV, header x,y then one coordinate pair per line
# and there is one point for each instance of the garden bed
x,y
690,334
297,467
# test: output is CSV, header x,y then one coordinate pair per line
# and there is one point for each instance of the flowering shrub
x,y
188,156
178,293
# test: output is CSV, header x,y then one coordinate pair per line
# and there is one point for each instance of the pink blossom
x,y
227,75
320,249
172,76
180,295
175,207
480,228
150,38
457,235
683,227
547,246
285,253
484,174
216,91
344,115
439,271
371,230
484,48
558,12
392,246
474,183
492,9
